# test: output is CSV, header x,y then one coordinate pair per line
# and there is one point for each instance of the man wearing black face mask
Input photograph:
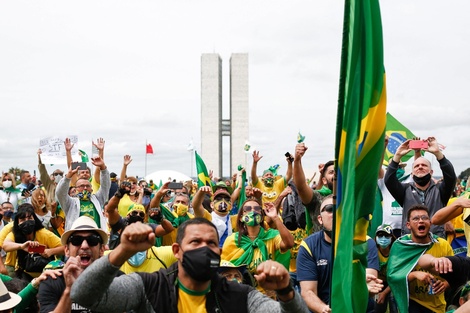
x,y
192,284
423,190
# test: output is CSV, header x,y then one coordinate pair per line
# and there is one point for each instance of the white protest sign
x,y
53,149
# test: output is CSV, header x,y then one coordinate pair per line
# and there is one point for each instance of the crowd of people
x,y
78,240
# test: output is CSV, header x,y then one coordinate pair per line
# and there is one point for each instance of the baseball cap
x,y
84,223
384,228
221,192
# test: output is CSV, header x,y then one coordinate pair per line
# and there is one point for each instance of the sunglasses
x,y
92,240
140,213
328,208
7,179
248,208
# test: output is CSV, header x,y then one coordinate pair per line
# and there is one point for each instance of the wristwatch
x,y
286,290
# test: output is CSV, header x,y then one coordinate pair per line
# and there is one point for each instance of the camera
x,y
147,191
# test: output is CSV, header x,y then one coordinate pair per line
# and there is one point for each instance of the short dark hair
x,y
193,221
416,207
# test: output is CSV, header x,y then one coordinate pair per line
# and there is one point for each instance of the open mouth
x,y
85,259
421,228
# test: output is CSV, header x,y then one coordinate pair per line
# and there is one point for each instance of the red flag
x,y
149,149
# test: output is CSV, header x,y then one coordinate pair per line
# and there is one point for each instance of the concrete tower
x,y
213,126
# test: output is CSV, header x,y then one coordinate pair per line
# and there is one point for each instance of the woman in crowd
x,y
29,233
254,242
9,193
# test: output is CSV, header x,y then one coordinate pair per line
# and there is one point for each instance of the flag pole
x,y
145,158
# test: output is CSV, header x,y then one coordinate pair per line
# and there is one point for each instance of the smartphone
x,y
418,144
38,249
175,185
81,164
289,156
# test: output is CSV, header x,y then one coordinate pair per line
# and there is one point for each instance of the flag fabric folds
x,y
300,138
242,196
84,156
149,149
203,178
359,146
397,134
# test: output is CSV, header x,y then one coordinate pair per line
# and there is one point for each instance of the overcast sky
x,y
129,72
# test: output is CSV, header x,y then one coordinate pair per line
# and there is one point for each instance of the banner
x,y
53,149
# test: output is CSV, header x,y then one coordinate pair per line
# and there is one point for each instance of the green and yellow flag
x,y
397,134
359,147
202,173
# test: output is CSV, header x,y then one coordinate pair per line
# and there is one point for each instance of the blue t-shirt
x,y
314,263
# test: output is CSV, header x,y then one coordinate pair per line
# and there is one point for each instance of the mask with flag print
x,y
84,195
252,218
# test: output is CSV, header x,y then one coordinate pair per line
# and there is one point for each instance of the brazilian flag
x,y
360,135
397,134
202,174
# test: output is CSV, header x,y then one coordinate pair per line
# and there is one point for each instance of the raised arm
x,y
100,146
450,211
287,238
127,161
254,167
198,199
305,192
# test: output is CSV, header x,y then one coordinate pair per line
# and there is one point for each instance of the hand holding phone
x,y
418,144
175,185
82,165
38,249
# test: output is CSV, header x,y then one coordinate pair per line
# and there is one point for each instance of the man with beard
x,y
415,288
221,205
190,285
423,190
269,184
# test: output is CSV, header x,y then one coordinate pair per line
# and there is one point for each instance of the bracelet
x,y
286,290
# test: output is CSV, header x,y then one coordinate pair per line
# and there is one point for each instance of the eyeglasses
x,y
248,208
58,174
7,179
140,213
424,218
83,186
92,240
328,208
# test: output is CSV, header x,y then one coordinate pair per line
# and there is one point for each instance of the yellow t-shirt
x,y
270,194
191,303
151,263
419,290
10,258
44,237
299,235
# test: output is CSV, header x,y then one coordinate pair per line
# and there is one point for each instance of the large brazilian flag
x,y
360,134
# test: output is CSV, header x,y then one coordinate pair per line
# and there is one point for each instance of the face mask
x,y
268,182
181,209
383,241
7,183
222,206
422,181
27,227
8,213
251,218
138,258
84,195
201,263
57,178
133,219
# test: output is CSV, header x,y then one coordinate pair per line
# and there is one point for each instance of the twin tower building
x,y
214,127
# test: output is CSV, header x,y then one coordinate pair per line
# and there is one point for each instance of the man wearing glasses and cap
x,y
84,243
